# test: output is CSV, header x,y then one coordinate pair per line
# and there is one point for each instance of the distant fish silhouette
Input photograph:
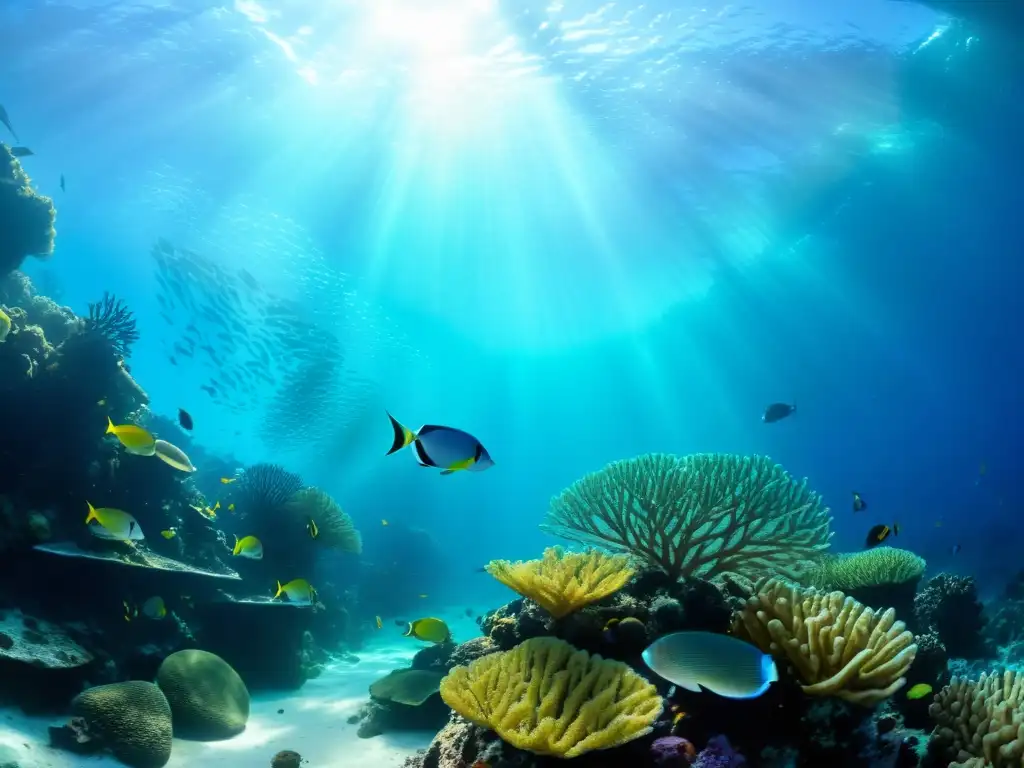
x,y
7,122
62,189
185,419
21,151
858,502
777,412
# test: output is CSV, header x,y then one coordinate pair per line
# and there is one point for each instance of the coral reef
x,y
697,515
208,699
132,720
562,583
884,577
26,217
546,697
949,607
980,724
838,646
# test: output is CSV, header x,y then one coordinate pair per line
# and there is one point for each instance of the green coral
x,y
208,698
26,217
547,697
700,515
133,720
871,568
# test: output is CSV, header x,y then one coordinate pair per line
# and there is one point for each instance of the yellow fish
x,y
172,455
919,691
384,522
155,608
130,611
227,480
380,624
209,513
113,524
101,402
313,530
298,591
134,439
170,533
429,629
231,507
5,325
248,546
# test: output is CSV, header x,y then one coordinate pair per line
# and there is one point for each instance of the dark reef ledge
x,y
137,559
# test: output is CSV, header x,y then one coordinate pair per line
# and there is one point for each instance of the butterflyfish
x,y
248,546
172,455
155,608
720,663
134,439
877,535
113,524
430,630
298,591
5,325
919,691
445,448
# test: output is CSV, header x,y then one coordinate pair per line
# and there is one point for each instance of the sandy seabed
x,y
313,724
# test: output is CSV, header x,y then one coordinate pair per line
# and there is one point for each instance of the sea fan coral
x,y
336,529
699,515
264,488
111,319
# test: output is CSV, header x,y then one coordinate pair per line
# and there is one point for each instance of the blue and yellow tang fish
x,y
446,448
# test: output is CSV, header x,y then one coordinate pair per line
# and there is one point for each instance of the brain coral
x,y
133,719
208,698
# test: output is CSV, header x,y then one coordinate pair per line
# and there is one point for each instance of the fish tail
x,y
92,514
237,549
279,590
110,427
408,631
403,435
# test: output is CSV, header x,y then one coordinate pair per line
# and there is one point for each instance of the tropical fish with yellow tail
x,y
430,630
172,455
248,546
5,326
298,591
113,524
446,448
134,438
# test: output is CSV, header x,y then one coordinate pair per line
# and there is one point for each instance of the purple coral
x,y
672,752
719,754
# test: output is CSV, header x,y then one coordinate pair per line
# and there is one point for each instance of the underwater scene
x,y
511,384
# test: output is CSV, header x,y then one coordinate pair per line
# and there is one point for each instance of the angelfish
x,y
446,448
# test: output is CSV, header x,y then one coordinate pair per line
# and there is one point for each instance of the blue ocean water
x,y
580,230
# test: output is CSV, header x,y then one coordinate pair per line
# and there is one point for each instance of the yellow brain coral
x,y
838,646
549,698
564,582
980,724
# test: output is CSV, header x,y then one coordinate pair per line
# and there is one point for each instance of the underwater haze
x,y
561,234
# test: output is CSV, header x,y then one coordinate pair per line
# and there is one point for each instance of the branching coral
x,y
838,646
697,515
564,582
26,217
335,526
980,724
111,319
546,697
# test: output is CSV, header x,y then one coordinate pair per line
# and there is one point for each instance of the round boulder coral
x,y
207,697
133,719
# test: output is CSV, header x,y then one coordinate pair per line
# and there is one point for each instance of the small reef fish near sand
x,y
172,455
298,591
720,663
444,448
777,412
430,630
248,546
134,439
113,524
5,325
185,419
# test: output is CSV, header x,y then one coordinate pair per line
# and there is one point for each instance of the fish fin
x,y
694,687
408,631
403,435
237,548
447,471
110,427
279,590
92,514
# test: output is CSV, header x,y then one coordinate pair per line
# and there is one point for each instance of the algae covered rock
x,y
208,698
132,719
